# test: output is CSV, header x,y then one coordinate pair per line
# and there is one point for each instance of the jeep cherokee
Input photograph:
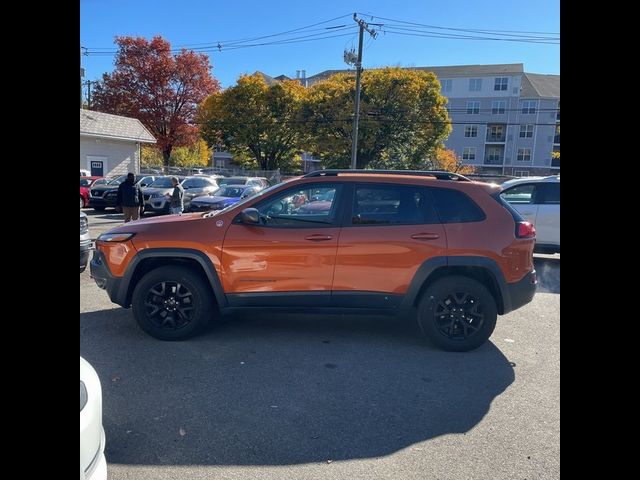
x,y
448,251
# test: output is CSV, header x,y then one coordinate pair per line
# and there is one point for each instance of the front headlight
x,y
115,237
83,395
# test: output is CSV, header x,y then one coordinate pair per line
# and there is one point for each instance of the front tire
x,y
457,313
173,303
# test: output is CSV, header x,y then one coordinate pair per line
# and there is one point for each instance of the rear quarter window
x,y
454,206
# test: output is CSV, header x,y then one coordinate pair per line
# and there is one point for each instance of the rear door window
x,y
392,205
456,207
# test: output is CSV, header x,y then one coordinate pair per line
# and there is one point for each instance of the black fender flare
x,y
429,266
189,253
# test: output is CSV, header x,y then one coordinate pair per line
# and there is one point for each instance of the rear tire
x,y
457,313
173,303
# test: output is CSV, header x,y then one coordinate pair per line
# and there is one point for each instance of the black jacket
x,y
129,195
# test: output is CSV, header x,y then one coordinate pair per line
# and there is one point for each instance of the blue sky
x,y
206,21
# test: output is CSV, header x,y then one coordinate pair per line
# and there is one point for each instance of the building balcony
x,y
496,138
494,161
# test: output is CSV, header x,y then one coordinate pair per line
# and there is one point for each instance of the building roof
x,y
538,85
105,125
268,79
473,70
442,72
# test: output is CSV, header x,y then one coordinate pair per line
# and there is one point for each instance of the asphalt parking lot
x,y
269,396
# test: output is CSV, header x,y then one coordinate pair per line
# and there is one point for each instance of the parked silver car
x,y
197,186
85,241
155,200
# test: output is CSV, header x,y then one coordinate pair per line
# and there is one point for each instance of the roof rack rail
x,y
439,174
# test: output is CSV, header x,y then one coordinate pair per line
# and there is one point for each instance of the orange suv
x,y
435,245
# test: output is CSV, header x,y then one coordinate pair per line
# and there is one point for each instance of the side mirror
x,y
143,185
250,216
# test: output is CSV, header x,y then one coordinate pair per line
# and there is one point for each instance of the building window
x,y
475,84
524,155
471,131
526,131
473,108
495,133
446,85
529,106
493,155
521,173
469,154
501,84
498,107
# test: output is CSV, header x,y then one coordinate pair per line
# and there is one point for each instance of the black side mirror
x,y
250,216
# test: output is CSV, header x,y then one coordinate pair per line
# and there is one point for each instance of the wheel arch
x,y
482,269
150,259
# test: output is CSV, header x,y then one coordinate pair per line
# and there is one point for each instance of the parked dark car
x,y
222,198
105,196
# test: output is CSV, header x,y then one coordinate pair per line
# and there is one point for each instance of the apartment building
x,y
505,120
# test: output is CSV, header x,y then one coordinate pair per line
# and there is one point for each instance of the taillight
x,y
525,230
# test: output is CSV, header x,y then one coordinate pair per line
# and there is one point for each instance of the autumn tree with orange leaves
x,y
159,88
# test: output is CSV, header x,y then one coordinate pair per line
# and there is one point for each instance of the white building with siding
x,y
110,144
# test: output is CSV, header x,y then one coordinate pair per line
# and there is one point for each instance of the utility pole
x,y
81,73
356,119
89,94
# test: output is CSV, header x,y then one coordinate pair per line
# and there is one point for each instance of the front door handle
x,y
318,238
425,236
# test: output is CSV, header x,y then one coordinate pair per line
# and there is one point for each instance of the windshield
x,y
162,182
232,181
118,181
230,191
86,182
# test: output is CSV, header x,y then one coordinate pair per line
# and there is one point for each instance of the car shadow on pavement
x,y
548,271
283,389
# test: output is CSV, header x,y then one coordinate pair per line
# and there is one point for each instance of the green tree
x,y
448,161
259,123
196,155
150,156
403,119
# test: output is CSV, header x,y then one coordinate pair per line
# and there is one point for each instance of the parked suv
x,y
260,182
537,199
155,195
446,250
103,196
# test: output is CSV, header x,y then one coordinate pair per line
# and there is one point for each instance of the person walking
x,y
176,199
130,198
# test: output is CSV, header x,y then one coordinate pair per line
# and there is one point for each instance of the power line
x,y
471,30
467,37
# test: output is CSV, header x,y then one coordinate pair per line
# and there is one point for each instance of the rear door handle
x,y
318,238
425,236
